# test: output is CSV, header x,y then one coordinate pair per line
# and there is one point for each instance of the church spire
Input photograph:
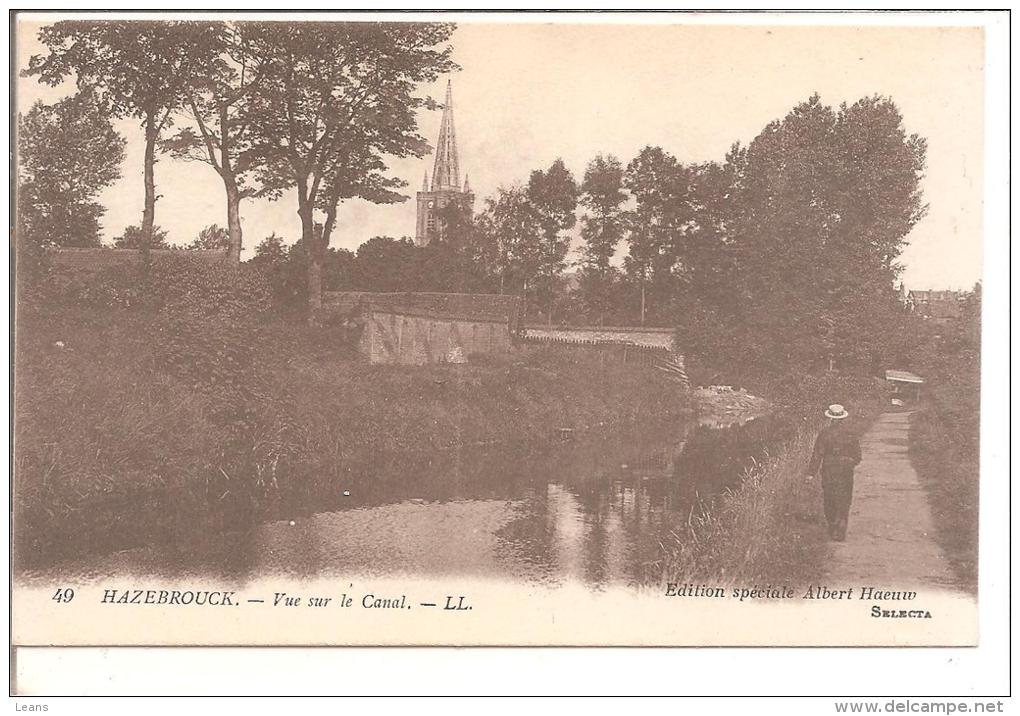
x,y
446,174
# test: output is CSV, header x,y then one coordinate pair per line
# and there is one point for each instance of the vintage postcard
x,y
515,330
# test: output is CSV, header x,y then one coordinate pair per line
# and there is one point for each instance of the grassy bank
x,y
771,528
944,451
767,530
102,419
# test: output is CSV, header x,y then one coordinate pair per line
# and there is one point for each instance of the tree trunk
x,y
149,211
314,285
330,224
642,303
233,221
552,296
305,211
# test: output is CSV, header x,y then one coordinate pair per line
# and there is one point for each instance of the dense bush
x,y
184,282
52,288
202,315
207,316
381,264
945,435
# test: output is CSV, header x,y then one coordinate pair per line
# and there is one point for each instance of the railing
x,y
623,351
629,335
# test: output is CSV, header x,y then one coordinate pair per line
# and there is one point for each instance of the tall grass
x,y
944,450
766,530
770,528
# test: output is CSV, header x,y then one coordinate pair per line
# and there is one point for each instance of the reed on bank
x,y
765,530
770,528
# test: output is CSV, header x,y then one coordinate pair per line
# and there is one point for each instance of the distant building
x,y
446,187
941,306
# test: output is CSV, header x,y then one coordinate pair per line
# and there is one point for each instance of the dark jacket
x,y
836,450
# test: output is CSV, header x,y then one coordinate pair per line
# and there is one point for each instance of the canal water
x,y
601,509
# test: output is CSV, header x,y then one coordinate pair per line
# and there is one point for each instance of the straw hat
x,y
836,412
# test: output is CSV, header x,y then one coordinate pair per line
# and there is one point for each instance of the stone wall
x,y
601,335
408,337
92,260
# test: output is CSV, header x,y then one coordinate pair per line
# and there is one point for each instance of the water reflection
x,y
596,510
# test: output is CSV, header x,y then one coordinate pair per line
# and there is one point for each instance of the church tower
x,y
446,187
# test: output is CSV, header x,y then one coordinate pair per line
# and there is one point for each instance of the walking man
x,y
837,452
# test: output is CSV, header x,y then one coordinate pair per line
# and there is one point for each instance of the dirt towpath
x,y
891,536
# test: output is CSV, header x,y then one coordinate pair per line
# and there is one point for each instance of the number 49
x,y
63,595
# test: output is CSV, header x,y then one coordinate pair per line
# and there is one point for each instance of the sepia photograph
x,y
529,330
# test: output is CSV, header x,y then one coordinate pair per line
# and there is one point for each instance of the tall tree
x,y
67,153
602,228
876,202
512,229
708,250
219,106
386,264
359,173
828,197
878,197
663,225
460,259
553,193
137,69
331,91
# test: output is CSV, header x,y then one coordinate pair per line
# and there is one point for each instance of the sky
x,y
527,94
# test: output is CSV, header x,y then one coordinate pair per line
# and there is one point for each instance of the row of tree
x,y
787,248
379,264
272,107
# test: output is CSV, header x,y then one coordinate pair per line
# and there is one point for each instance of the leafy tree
x,y
67,153
707,250
880,170
137,69
221,99
333,92
602,229
134,238
361,174
212,237
338,270
553,193
456,226
271,250
512,229
664,225
460,260
286,269
284,272
815,214
386,264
